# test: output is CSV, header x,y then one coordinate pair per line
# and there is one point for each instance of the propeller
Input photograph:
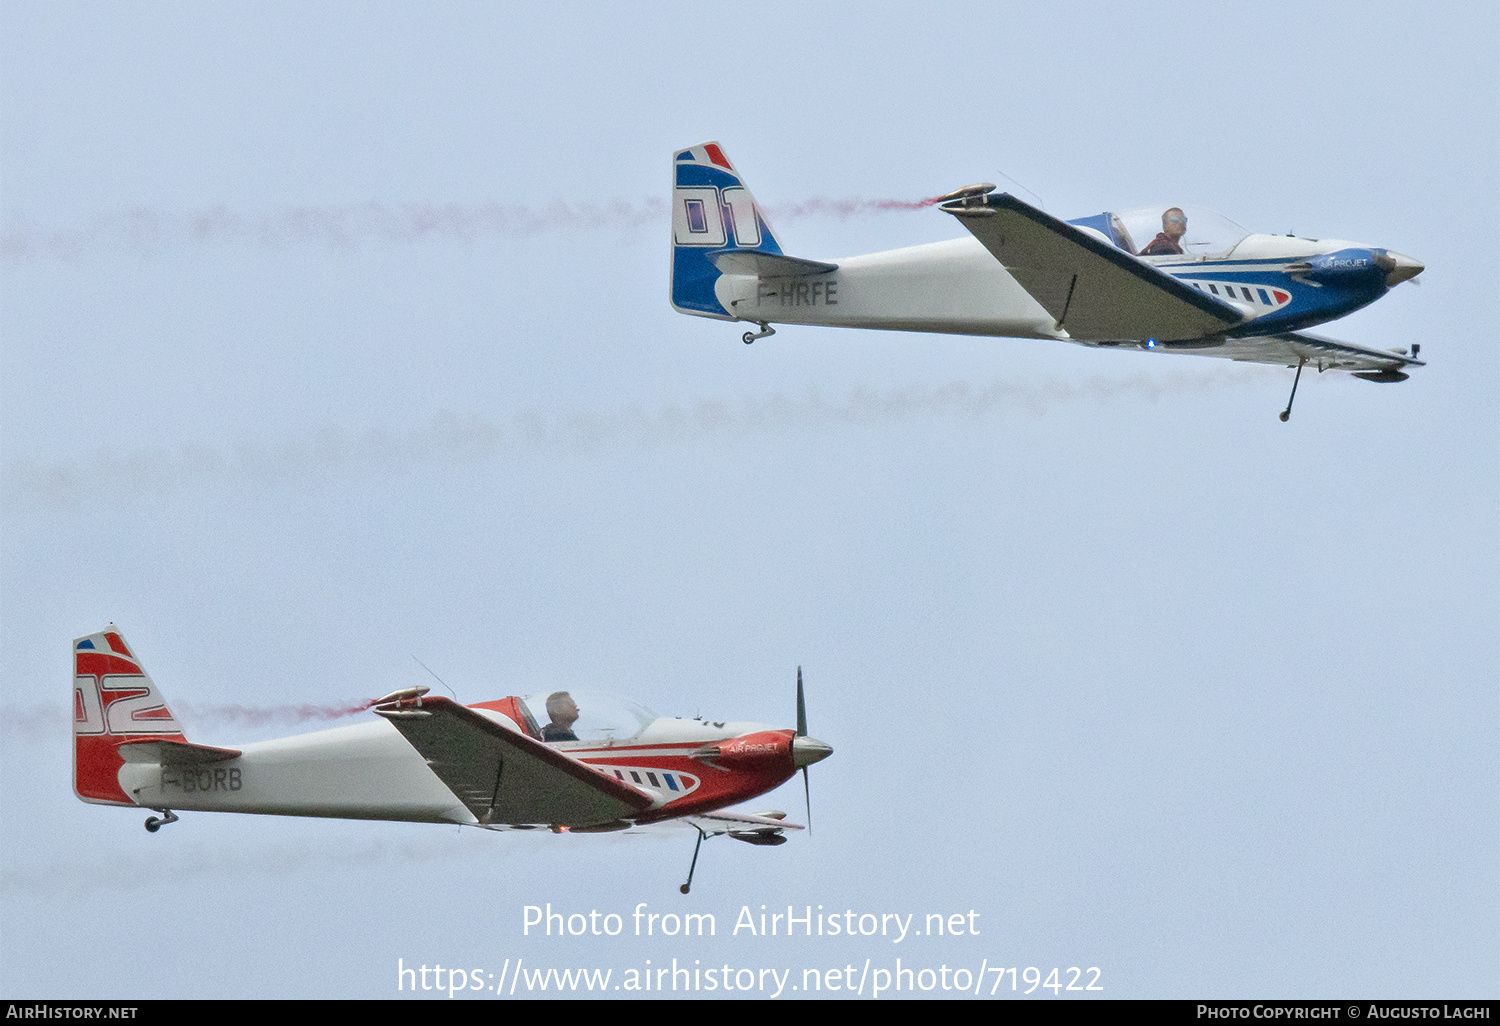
x,y
806,750
802,732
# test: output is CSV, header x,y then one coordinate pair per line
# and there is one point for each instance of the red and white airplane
x,y
598,765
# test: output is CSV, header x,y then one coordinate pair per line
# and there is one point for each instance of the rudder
x,y
114,701
712,213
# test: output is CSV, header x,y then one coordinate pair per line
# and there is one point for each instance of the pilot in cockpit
x,y
563,713
1169,240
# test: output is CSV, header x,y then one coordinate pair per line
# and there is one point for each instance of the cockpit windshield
x,y
1165,231
1187,230
587,716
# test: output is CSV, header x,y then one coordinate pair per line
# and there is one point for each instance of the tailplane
x,y
114,704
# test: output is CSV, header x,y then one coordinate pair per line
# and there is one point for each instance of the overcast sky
x,y
334,335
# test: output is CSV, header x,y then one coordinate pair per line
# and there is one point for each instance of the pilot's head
x,y
1174,223
561,708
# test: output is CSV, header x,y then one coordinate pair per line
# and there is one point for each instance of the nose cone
x,y
808,750
1404,270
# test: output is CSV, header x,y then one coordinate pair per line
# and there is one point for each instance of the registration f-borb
x,y
599,764
1162,279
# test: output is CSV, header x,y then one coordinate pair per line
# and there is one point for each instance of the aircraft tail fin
x,y
115,703
713,214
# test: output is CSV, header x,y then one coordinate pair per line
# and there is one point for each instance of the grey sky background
x,y
1107,653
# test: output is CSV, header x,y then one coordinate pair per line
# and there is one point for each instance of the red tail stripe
x,y
100,663
717,156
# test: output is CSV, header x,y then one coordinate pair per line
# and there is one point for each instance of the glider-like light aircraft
x,y
1201,285
600,764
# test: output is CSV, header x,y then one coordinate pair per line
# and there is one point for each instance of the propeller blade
x,y
807,791
801,707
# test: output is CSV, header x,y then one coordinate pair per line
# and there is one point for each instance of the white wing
x,y
505,777
1095,291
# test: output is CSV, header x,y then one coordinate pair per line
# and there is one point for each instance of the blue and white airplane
x,y
1202,285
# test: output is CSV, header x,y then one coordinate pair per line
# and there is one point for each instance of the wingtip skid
x,y
403,698
968,196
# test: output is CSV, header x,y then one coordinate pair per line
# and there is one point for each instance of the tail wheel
x,y
154,823
765,332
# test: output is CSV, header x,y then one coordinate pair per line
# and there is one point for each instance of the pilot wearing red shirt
x,y
1169,240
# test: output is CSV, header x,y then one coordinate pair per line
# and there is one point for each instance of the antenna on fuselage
x,y
1039,201
434,676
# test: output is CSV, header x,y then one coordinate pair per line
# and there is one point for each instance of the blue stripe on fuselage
x,y
1310,304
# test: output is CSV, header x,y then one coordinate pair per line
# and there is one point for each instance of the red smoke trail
x,y
261,715
843,209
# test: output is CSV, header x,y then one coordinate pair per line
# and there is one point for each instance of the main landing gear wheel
x,y
153,824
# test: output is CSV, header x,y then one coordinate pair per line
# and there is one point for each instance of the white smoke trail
x,y
151,230
190,863
453,439
40,723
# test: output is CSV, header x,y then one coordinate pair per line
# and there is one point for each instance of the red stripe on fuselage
x,y
718,786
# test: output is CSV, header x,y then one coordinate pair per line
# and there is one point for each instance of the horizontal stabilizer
x,y
175,753
768,265
1094,290
504,777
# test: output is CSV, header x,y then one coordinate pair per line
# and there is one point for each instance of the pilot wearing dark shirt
x,y
563,713
1169,240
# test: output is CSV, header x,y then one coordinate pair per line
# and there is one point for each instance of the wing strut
x,y
1286,414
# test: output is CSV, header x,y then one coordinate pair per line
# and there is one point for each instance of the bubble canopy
x,y
601,715
1209,233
